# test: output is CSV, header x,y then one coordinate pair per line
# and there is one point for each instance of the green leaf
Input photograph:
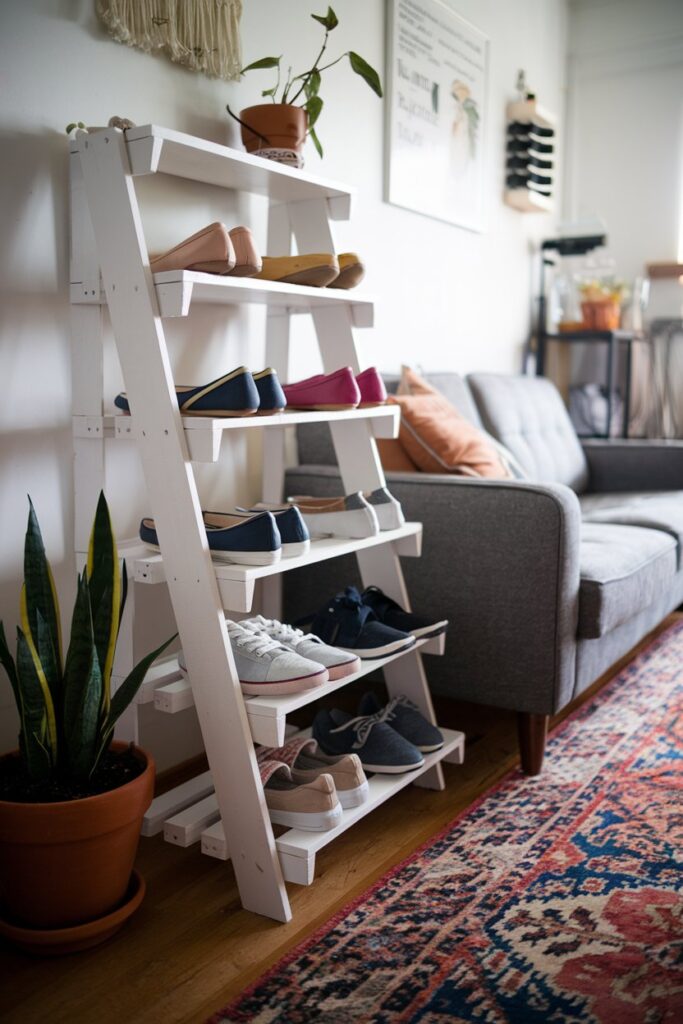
x,y
70,127
329,20
367,73
313,108
7,662
104,584
41,599
39,760
83,686
268,92
316,142
312,85
265,62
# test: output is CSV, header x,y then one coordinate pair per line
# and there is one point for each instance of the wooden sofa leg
x,y
532,730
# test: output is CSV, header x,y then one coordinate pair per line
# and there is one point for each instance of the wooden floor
x,y
190,948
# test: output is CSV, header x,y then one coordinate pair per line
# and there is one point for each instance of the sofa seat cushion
x,y
623,570
655,510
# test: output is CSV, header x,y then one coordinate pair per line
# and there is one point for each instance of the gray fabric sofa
x,y
547,580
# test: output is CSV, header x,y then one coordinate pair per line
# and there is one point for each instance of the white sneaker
x,y
387,509
338,663
351,516
265,666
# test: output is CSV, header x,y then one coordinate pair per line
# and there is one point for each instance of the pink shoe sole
x,y
347,669
286,685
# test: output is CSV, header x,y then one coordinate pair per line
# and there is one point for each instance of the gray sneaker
x,y
265,666
338,663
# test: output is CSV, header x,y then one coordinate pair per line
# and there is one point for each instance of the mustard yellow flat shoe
x,y
351,271
317,270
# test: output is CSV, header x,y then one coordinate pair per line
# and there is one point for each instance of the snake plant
x,y
66,708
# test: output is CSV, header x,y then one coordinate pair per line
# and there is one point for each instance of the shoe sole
x,y
347,669
391,769
321,408
313,821
353,797
371,653
283,686
235,557
296,550
434,630
429,750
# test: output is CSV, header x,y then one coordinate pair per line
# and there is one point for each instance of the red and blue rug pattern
x,y
553,900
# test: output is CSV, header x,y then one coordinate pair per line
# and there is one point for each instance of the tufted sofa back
x,y
527,415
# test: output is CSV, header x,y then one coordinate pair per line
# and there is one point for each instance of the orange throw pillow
x,y
411,383
393,457
439,440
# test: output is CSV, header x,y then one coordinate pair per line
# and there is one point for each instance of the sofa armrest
x,y
500,559
616,465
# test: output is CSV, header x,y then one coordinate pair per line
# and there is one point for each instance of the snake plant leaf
x,y
38,754
368,74
313,108
82,687
124,590
7,662
104,585
316,142
40,597
39,669
329,20
124,695
264,62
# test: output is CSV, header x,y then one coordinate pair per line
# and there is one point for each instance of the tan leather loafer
x,y
315,269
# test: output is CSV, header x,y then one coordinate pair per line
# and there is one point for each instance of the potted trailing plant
x,y
296,105
71,800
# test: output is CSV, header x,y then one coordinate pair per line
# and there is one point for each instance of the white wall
x,y
446,298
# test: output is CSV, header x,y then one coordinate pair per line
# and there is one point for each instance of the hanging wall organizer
x,y
530,157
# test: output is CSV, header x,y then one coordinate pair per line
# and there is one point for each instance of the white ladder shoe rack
x,y
223,809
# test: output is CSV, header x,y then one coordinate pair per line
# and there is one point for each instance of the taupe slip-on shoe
x,y
209,251
307,762
313,806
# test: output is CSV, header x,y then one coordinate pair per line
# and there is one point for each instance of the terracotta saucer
x,y
56,941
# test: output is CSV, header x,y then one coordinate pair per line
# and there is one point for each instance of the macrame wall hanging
x,y
204,35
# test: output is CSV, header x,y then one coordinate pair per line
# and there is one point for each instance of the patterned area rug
x,y
554,899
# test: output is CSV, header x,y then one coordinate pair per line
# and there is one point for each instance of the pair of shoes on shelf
x,y
246,538
355,515
369,625
273,658
305,788
391,739
213,250
338,390
238,393
314,270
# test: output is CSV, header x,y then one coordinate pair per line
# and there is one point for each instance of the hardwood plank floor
x,y
190,947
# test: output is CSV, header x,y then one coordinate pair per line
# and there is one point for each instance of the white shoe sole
x,y
314,821
295,550
391,769
235,557
430,750
353,797
281,687
434,630
388,517
347,669
371,653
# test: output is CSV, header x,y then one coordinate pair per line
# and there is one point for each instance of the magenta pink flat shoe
x,y
371,387
326,391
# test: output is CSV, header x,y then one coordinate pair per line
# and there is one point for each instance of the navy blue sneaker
x,y
234,394
253,541
391,614
379,747
272,397
347,623
296,540
406,719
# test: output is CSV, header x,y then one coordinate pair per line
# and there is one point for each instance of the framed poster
x,y
436,114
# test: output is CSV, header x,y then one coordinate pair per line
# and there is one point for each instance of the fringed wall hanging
x,y
204,35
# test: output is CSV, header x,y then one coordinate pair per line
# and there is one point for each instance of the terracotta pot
x,y
601,314
66,863
281,126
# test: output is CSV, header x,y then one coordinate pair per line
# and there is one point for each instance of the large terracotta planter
x,y
63,864
275,125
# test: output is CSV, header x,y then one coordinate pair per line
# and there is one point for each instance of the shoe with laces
x,y
338,663
307,763
379,747
406,719
391,614
313,806
266,667
345,622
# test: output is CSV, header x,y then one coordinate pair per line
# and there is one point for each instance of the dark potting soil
x,y
115,769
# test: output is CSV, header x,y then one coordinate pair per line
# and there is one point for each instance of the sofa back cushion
x,y
528,416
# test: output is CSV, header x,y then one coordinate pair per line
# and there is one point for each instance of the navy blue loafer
x,y
296,540
253,541
234,394
379,747
347,623
406,719
271,396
